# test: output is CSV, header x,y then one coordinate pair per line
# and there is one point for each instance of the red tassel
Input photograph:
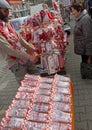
x,y
13,57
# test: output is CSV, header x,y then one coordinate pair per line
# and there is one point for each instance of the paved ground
x,y
82,89
8,87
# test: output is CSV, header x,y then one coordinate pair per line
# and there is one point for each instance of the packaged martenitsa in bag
x,y
23,95
11,123
45,86
26,89
29,83
44,92
60,126
23,104
28,125
16,112
62,84
62,78
37,116
42,99
65,107
62,90
32,77
40,107
60,116
46,80
62,98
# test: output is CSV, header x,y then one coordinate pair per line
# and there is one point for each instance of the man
x,y
14,48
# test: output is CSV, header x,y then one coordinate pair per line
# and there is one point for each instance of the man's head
x,y
4,10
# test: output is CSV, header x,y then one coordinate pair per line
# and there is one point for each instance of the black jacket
x,y
90,3
83,34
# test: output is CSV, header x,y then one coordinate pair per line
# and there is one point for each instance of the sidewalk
x,y
8,87
82,89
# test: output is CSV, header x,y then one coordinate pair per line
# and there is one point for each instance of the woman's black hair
x,y
77,6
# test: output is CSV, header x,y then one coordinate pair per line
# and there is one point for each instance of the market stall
x,y
41,104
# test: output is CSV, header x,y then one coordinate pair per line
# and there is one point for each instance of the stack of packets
x,y
41,103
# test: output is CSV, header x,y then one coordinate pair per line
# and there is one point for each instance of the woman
x,y
82,34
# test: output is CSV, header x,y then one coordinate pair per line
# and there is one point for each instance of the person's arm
x,y
10,51
26,44
87,36
87,28
22,55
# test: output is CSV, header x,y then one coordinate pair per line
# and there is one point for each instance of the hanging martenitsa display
x,y
45,31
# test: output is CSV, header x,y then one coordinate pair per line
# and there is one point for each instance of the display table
x,y
41,104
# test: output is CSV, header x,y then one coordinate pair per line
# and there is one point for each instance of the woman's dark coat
x,y
83,35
